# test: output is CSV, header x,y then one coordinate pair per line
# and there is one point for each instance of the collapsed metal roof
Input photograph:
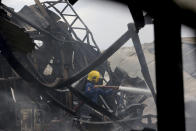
x,y
57,45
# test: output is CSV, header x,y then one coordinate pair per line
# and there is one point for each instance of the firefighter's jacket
x,y
93,93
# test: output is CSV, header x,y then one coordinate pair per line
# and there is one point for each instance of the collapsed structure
x,y
44,63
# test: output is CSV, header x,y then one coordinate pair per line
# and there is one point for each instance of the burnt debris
x,y
44,63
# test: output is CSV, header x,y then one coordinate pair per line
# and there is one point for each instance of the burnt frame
x,y
166,23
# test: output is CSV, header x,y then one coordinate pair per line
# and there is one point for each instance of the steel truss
x,y
72,26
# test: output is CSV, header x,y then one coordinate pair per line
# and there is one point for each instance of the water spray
x,y
130,89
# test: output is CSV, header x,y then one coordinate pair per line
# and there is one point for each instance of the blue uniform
x,y
93,93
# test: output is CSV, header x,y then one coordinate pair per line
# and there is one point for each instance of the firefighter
x,y
91,92
91,89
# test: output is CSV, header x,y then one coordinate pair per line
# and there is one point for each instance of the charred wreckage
x,y
43,67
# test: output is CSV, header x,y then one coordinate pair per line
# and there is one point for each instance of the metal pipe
x,y
141,58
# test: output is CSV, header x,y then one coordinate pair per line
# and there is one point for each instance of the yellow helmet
x,y
93,76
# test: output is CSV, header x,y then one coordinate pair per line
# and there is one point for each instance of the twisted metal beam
x,y
44,90
102,58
